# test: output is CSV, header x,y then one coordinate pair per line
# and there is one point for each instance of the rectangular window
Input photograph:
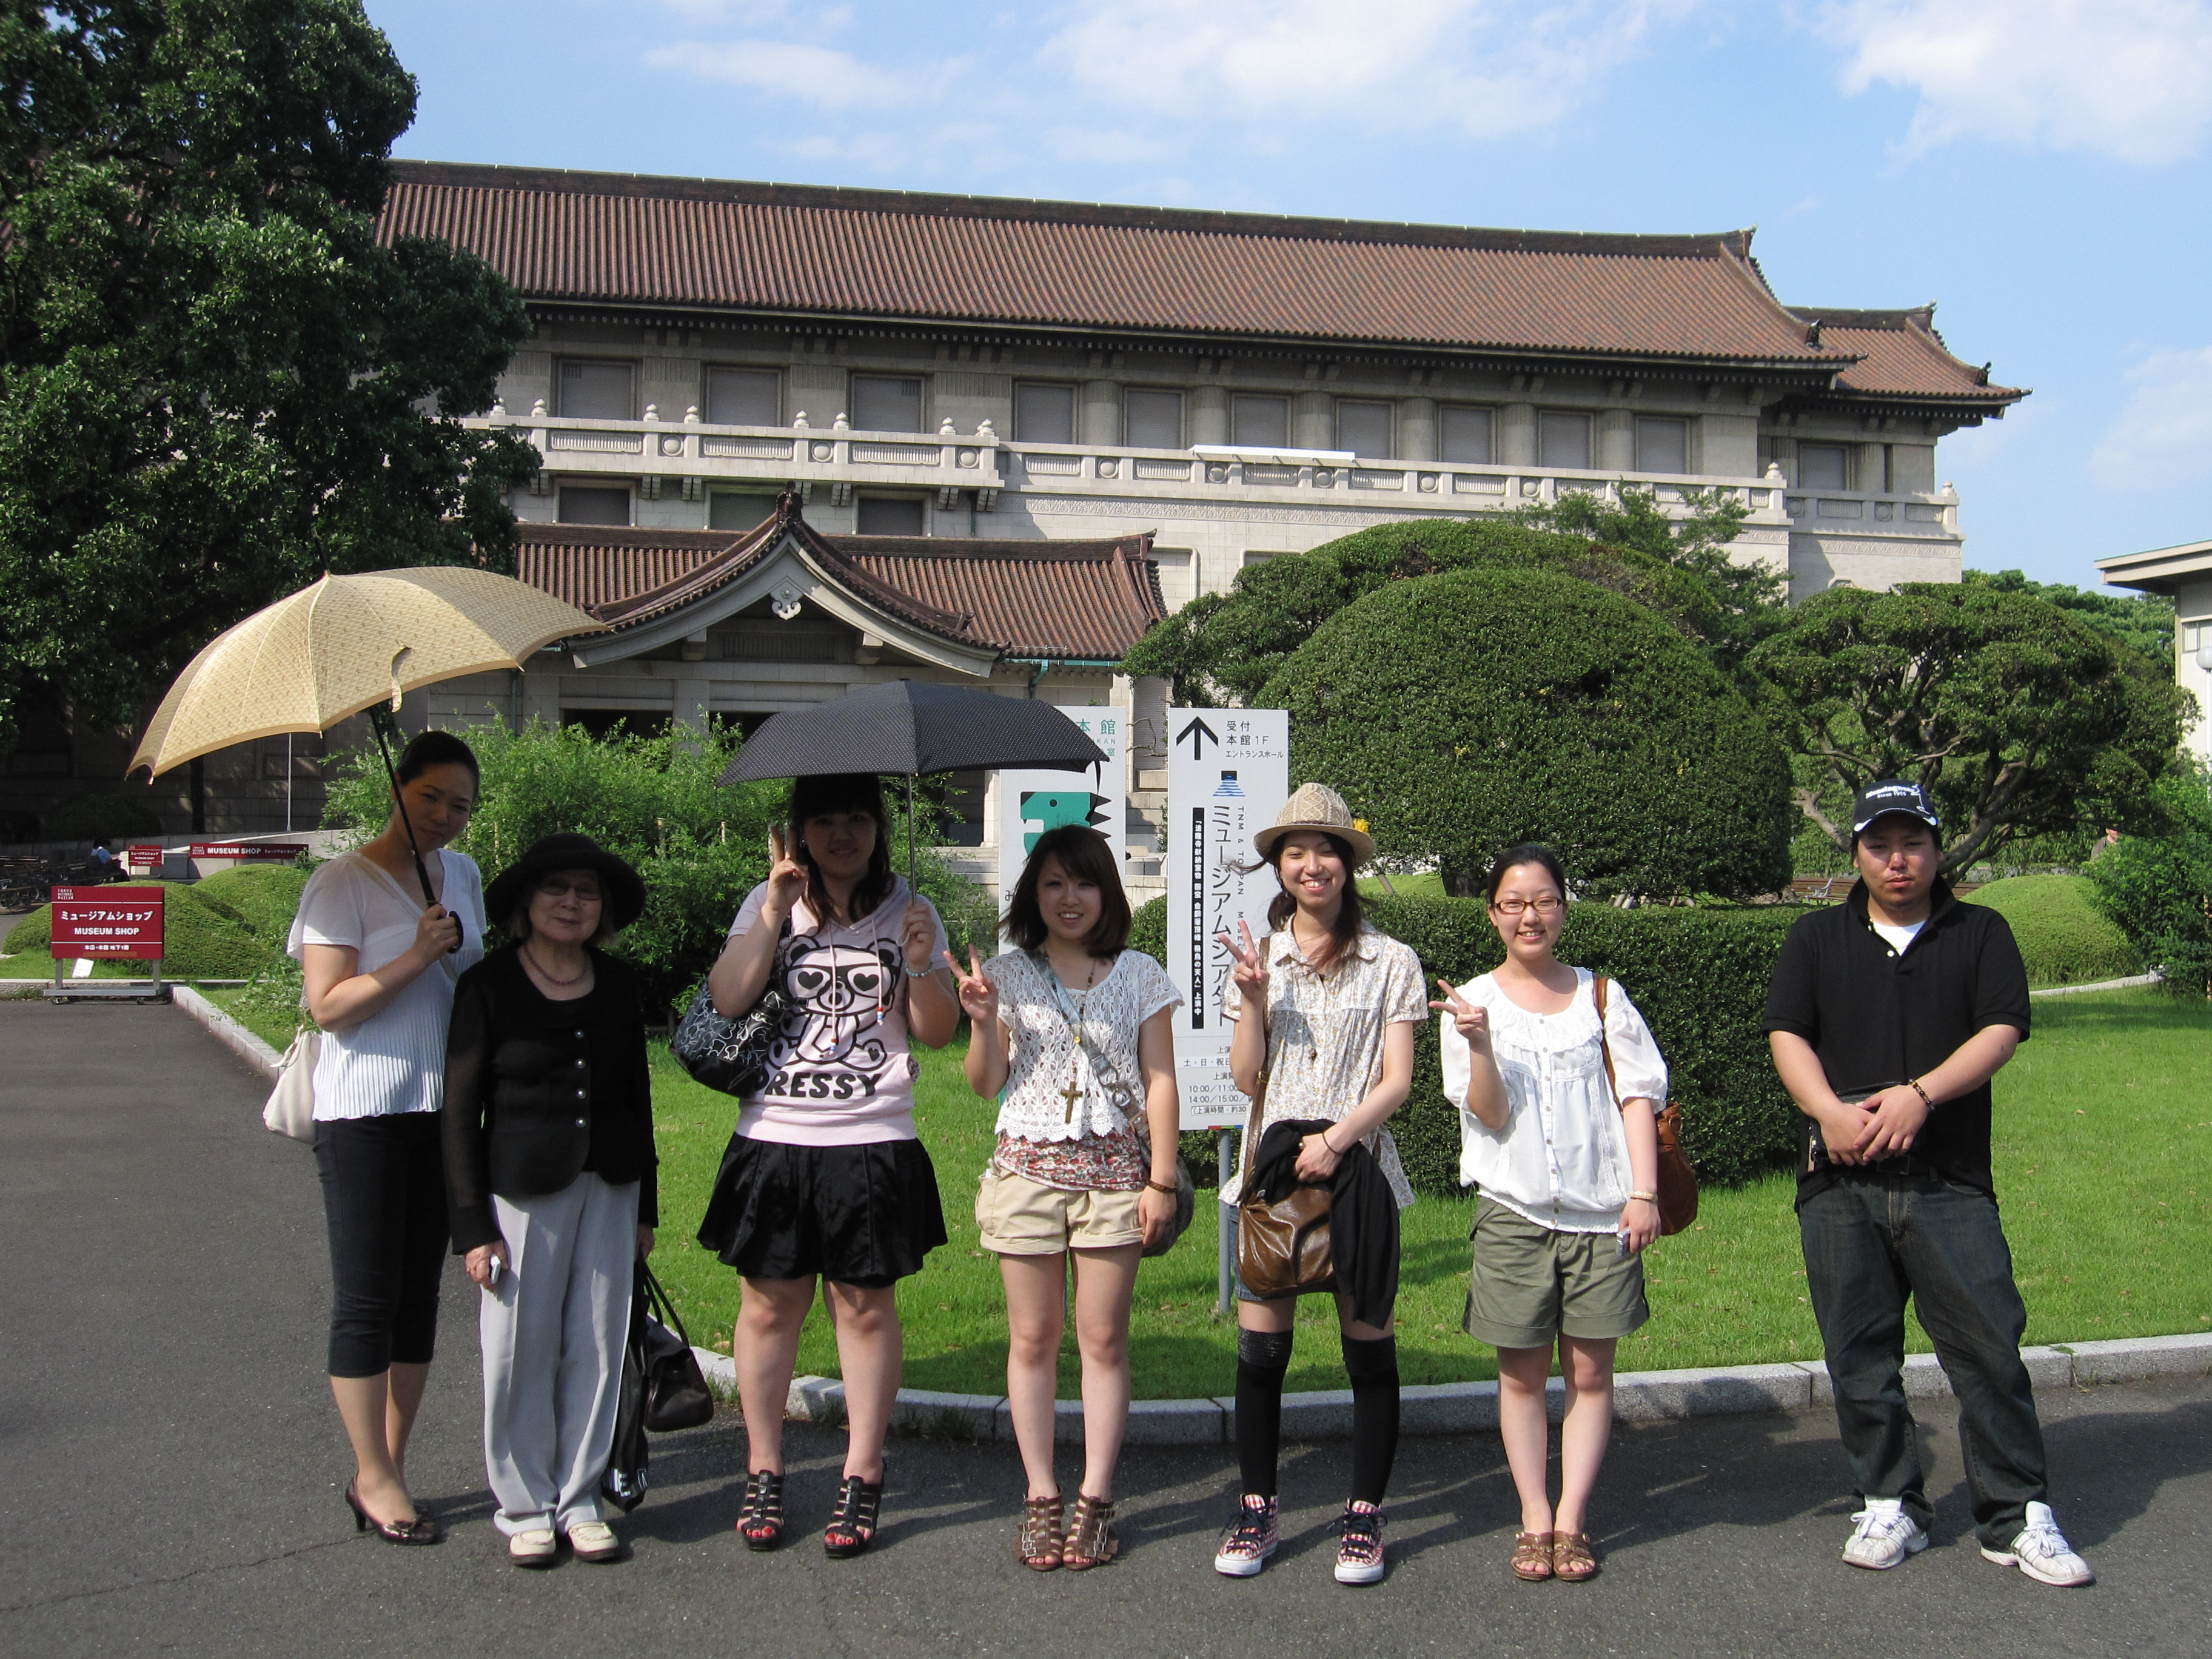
x,y
1662,446
731,509
598,392
1563,440
1044,414
588,505
1260,422
1823,466
1151,419
889,515
1362,427
885,403
1465,435
745,396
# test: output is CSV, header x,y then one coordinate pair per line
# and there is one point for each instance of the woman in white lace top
x,y
1072,1032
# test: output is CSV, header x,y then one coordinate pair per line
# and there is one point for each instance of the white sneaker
x,y
1246,1546
2042,1552
1884,1536
534,1548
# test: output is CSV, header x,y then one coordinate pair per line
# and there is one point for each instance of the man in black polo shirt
x,y
1888,1015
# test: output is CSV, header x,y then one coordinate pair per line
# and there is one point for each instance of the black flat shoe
x,y
422,1529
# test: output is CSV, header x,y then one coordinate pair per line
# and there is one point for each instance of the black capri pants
x,y
384,1197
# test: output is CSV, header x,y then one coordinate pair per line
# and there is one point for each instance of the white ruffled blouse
x,y
1562,1158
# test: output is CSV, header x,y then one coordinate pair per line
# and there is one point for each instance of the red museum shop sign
x,y
107,921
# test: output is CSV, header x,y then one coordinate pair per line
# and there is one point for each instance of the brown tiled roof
x,y
818,254
1088,599
1901,355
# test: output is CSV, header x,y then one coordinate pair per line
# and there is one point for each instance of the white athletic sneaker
x,y
2042,1552
1884,1536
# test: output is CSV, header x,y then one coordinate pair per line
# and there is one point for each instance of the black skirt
x,y
861,1215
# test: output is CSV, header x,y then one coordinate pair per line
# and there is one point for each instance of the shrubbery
x,y
2065,938
1462,713
205,935
1698,976
2158,892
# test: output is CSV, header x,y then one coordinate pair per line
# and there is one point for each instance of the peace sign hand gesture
x,y
787,877
979,997
1250,973
1474,1022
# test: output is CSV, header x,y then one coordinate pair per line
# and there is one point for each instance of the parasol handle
x,y
379,720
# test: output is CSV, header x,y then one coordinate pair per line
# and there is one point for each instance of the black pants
x,y
384,1197
1871,1241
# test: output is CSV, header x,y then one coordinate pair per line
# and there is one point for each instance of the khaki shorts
x,y
1020,1216
1531,1286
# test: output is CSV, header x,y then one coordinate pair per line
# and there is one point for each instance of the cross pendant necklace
x,y
1073,1093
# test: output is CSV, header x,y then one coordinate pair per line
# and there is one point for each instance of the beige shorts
x,y
1020,1216
1532,1285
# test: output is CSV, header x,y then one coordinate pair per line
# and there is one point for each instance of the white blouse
x,y
1106,1085
1562,1158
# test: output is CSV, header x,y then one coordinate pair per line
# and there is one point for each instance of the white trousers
x,y
552,1335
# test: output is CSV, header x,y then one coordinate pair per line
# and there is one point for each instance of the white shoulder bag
x,y
291,1108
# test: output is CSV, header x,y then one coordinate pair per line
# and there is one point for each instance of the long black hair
x,y
1344,933
842,792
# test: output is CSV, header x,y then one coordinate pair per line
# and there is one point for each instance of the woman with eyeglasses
x,y
550,1177
1557,1084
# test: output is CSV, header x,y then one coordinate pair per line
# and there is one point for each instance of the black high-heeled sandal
x,y
852,1527
424,1528
760,1522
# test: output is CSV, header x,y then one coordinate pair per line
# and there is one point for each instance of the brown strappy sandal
x,y
1572,1560
1532,1556
1037,1540
1091,1540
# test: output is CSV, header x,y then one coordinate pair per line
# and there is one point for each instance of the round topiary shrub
x,y
2064,938
1460,713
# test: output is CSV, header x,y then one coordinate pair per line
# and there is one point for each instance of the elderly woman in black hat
x,y
550,1175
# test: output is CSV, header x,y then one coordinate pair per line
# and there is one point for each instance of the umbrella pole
x,y
380,718
909,830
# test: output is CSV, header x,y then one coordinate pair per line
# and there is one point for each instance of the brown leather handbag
x,y
1678,1180
1283,1248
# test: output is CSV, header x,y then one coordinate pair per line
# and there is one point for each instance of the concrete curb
x,y
1462,1407
2101,985
229,1032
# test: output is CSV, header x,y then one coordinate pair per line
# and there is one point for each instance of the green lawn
x,y
35,964
2104,1164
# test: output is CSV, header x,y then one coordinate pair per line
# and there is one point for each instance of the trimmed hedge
x,y
2065,938
1699,975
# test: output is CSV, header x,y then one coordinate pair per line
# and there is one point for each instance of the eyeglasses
x,y
1546,905
556,887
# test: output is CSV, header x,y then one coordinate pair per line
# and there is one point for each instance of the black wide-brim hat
x,y
624,888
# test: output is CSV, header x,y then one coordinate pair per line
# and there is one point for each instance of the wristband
x,y
1648,1197
1914,1084
1159,1187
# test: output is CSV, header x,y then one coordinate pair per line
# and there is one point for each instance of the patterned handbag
x,y
730,1055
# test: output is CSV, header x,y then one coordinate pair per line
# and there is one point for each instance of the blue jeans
x,y
1873,1240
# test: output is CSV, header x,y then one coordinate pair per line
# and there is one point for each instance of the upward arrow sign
x,y
1199,733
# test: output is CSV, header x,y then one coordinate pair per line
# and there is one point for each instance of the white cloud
x,y
1483,67
2163,437
2126,78
813,74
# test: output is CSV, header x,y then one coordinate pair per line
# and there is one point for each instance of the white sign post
x,y
1229,774
1031,803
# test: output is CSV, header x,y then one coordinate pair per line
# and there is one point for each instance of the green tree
x,y
2018,717
2142,621
1462,712
215,382
1698,541
1225,647
2157,890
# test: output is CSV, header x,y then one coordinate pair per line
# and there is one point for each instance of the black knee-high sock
x,y
1262,1358
1373,1367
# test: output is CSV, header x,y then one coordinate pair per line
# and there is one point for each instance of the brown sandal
x,y
1037,1541
1091,1539
1572,1560
1532,1556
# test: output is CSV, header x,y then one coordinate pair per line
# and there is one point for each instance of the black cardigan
x,y
540,1091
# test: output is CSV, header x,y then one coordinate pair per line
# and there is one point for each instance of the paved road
x,y
172,1470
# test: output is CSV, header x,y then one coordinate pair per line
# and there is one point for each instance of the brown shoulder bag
x,y
1283,1248
1678,1181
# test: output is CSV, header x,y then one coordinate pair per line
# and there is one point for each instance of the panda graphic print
x,y
839,1068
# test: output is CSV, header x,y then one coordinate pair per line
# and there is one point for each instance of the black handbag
x,y
623,1484
730,1056
675,1396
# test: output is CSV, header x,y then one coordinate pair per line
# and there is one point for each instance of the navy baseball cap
x,y
1892,795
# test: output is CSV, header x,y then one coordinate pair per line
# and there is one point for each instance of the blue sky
x,y
2038,168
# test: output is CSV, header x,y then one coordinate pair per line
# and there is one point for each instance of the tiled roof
x,y
1088,599
1901,355
818,254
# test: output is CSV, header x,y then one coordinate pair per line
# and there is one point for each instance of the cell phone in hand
x,y
498,1267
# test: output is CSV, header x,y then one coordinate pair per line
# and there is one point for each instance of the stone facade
x,y
2184,574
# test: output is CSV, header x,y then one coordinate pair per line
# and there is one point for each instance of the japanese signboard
x,y
143,860
106,921
250,852
1031,803
1229,774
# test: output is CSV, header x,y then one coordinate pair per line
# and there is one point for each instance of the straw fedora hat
x,y
1317,806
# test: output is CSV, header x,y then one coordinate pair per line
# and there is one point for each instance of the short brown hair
x,y
1088,856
